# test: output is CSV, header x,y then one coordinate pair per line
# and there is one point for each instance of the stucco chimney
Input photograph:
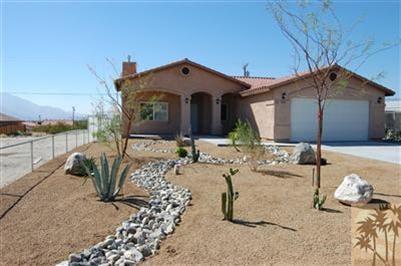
x,y
128,68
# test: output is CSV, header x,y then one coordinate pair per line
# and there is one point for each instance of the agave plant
x,y
106,184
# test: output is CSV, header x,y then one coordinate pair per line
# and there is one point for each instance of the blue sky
x,y
47,45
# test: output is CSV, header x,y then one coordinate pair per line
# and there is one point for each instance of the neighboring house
x,y
194,96
393,114
10,125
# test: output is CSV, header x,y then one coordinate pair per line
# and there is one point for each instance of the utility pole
x,y
73,116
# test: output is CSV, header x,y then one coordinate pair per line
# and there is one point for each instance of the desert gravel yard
x,y
59,215
275,223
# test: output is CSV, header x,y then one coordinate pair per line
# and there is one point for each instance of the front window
x,y
154,111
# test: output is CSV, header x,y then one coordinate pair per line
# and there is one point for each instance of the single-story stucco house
x,y
190,95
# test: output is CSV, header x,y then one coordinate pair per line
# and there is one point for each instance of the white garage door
x,y
344,120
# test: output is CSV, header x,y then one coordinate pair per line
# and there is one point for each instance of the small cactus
x,y
228,198
317,201
195,153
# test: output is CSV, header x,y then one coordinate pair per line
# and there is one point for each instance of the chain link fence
x,y
21,155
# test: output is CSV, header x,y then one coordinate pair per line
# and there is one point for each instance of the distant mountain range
x,y
27,110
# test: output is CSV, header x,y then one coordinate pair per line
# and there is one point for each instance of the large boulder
x,y
303,154
74,163
354,191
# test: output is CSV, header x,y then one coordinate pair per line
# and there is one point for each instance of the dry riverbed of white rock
x,y
140,236
281,156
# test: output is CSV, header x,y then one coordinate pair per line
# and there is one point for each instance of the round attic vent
x,y
332,76
185,71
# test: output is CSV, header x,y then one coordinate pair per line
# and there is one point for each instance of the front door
x,y
194,117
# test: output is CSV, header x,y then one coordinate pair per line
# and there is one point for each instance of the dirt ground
x,y
59,215
275,223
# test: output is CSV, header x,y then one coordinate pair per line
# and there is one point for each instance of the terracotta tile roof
x,y
260,85
256,82
251,85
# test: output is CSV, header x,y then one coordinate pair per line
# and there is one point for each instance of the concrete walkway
x,y
387,152
382,151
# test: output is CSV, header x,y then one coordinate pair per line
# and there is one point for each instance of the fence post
x,y
83,137
31,155
76,138
53,146
66,142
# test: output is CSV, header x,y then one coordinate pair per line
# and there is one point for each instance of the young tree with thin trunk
x,y
325,48
125,107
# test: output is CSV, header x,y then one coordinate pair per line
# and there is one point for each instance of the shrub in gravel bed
x,y
182,153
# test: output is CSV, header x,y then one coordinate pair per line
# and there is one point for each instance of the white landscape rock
x,y
303,154
140,236
354,191
74,162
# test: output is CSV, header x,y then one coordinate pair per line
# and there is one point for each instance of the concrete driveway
x,y
387,152
382,151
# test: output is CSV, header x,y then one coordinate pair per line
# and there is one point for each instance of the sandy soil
x,y
59,215
275,223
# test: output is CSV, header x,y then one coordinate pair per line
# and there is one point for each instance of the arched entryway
x,y
201,113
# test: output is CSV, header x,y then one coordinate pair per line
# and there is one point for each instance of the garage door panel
x,y
344,120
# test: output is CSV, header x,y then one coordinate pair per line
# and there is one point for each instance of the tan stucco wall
x,y
198,80
267,112
171,80
259,111
355,90
172,126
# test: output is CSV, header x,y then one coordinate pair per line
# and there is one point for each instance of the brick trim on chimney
x,y
129,68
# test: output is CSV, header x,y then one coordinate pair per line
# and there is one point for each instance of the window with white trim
x,y
154,111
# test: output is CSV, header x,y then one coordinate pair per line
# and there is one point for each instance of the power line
x,y
56,93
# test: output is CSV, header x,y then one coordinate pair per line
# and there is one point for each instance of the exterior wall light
x,y
186,100
218,101
379,100
283,96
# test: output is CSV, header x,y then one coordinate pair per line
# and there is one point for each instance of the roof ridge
x,y
253,77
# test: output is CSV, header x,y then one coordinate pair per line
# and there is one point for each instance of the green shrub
x,y
182,153
106,184
245,135
61,127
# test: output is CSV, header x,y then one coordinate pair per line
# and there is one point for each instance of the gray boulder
x,y
303,154
354,191
74,163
